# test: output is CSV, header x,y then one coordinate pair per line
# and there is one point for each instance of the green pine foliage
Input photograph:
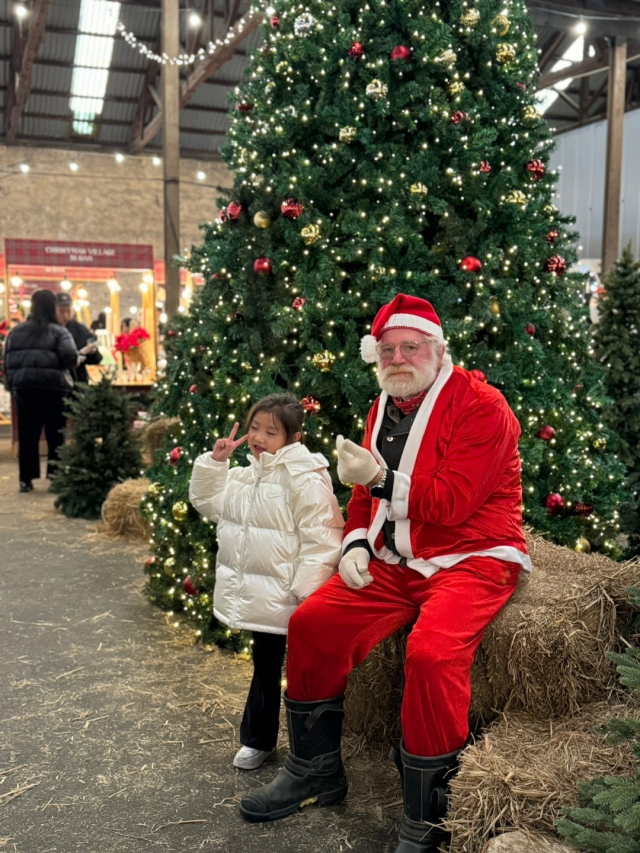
x,y
608,819
361,171
617,346
102,451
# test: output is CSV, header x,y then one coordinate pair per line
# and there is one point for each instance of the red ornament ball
x,y
222,216
262,266
244,107
485,166
536,169
193,389
291,208
470,264
234,211
171,333
458,116
175,455
479,375
582,509
530,329
577,388
311,404
149,562
552,236
521,86
556,264
188,586
401,52
554,503
298,303
546,432
275,22
356,50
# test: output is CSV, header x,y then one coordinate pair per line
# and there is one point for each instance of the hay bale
x,y
526,842
523,770
153,436
544,653
121,510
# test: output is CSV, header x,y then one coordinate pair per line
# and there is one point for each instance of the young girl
x,y
279,536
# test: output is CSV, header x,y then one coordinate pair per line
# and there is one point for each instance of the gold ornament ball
x,y
495,305
418,189
347,134
323,361
262,219
269,87
516,197
377,89
446,57
501,25
531,113
550,209
600,443
310,233
155,490
281,67
470,18
505,53
169,566
583,545
455,87
180,510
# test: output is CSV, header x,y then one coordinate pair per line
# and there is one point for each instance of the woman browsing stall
x,y
279,537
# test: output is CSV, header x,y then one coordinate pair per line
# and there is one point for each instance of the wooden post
x,y
171,144
615,132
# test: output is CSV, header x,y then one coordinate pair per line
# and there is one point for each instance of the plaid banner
x,y
62,253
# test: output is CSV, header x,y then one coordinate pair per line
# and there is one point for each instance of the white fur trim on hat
x,y
368,349
412,321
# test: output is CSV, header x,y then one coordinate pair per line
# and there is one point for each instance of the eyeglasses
x,y
409,349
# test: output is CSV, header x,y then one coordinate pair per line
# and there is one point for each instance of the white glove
x,y
355,463
354,568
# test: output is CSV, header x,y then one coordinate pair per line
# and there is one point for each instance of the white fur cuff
x,y
368,349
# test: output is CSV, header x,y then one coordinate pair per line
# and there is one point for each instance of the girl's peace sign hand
x,y
224,447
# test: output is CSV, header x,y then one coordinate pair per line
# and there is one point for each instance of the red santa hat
x,y
403,312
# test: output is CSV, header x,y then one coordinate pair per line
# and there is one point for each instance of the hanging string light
x,y
187,58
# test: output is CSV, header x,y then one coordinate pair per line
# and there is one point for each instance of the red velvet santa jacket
x,y
457,490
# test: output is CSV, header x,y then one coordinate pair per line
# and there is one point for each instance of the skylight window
x,y
94,49
574,53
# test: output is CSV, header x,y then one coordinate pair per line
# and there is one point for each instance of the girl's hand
x,y
224,447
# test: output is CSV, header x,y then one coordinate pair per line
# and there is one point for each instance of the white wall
x,y
581,155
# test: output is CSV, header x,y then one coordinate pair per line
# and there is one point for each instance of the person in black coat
x,y
84,339
39,356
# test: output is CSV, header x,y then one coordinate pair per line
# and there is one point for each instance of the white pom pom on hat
x,y
403,312
368,349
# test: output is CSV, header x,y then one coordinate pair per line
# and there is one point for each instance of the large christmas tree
x,y
382,147
617,346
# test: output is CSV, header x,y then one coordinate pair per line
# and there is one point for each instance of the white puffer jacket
x,y
279,533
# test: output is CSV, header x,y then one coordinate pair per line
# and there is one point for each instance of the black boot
x,y
425,783
313,770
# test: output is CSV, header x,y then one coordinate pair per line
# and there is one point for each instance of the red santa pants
x,y
336,628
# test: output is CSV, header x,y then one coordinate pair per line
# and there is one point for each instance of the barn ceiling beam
x,y
32,43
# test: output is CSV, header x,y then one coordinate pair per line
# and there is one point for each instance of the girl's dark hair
x,y
285,408
43,308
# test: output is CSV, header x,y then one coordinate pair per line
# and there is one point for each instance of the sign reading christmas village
x,y
62,253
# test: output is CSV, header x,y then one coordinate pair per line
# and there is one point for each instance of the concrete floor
x,y
116,732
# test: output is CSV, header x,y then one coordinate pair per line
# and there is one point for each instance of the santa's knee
x,y
430,660
308,627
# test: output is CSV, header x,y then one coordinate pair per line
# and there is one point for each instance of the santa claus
x,y
434,538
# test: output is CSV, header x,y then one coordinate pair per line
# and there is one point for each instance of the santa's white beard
x,y
412,381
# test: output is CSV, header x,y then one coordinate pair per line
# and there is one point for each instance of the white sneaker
x,y
247,758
